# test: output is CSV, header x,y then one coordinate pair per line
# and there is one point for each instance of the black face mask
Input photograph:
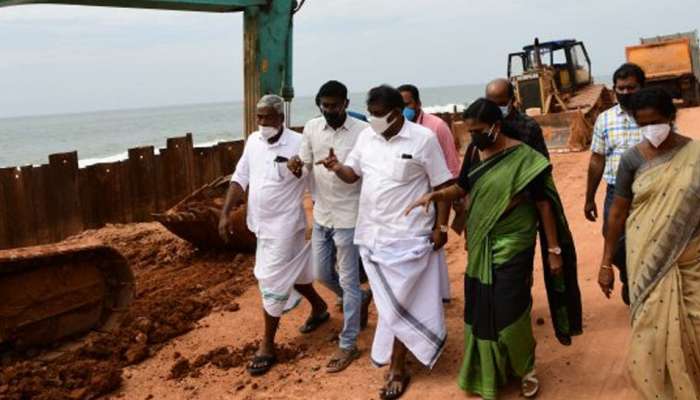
x,y
483,140
624,99
334,119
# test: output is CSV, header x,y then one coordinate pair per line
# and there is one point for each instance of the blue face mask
x,y
505,110
409,113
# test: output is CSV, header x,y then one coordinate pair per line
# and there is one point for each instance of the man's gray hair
x,y
272,101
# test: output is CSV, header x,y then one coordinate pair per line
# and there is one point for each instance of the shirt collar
x,y
619,111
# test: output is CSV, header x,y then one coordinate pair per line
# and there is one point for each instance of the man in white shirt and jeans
x,y
397,161
335,256
275,214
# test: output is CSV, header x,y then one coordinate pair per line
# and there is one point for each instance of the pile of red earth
x,y
175,287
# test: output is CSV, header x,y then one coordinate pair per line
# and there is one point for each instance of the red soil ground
x,y
197,318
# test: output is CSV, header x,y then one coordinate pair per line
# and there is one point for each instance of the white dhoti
x,y
279,265
405,278
444,276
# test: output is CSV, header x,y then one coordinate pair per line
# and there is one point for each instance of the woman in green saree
x,y
512,195
657,204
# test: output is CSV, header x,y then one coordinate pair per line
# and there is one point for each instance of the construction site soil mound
x,y
176,287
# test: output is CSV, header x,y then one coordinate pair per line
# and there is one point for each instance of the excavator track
x,y
57,291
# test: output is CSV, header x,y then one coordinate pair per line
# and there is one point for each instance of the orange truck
x,y
672,62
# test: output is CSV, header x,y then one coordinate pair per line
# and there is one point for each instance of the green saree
x,y
498,332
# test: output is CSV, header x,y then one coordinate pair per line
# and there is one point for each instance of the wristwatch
x,y
555,250
444,228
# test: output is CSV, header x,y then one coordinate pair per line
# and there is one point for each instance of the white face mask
x,y
268,132
380,124
656,134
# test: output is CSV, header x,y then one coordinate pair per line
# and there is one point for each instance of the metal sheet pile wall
x,y
47,203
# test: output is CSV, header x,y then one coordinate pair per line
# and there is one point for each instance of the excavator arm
x,y
267,36
51,292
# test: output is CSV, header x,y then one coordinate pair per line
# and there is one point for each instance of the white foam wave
x,y
84,162
446,108
98,160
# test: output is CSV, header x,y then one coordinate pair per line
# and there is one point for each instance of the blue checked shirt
x,y
614,133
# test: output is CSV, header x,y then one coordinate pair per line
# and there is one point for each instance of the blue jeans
x,y
335,246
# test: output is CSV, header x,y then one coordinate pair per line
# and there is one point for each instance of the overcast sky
x,y
56,59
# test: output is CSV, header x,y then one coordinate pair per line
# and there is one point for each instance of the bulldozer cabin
x,y
554,84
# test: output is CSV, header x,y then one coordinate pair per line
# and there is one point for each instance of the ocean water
x,y
106,135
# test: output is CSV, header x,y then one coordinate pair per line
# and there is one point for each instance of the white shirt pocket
x,y
273,171
405,169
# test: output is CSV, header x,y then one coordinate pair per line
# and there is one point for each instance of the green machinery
x,y
56,291
267,39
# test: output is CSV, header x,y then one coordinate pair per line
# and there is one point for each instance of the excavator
x,y
554,84
57,291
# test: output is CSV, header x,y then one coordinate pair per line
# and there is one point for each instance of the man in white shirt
x,y
397,161
335,215
276,217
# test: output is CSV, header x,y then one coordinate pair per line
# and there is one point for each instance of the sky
x,y
65,59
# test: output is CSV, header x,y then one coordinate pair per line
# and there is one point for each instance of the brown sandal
x,y
342,359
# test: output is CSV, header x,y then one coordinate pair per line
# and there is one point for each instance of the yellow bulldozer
x,y
554,85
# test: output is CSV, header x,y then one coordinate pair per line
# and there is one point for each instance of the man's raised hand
x,y
331,162
295,166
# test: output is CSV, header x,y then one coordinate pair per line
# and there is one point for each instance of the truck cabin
x,y
567,60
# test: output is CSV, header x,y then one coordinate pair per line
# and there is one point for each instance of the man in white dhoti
x,y
276,216
398,160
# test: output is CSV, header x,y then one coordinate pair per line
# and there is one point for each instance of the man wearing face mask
x,y
399,161
335,256
276,216
516,124
615,132
413,112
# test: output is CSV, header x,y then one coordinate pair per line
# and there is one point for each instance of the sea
x,y
105,136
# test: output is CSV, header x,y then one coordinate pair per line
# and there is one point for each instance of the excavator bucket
x,y
196,219
57,291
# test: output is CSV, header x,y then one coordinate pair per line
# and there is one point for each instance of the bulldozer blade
x,y
56,291
566,131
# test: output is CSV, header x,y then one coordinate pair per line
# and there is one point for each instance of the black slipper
x,y
262,365
314,322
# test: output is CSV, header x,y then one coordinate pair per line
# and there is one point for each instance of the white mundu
x,y
396,249
276,216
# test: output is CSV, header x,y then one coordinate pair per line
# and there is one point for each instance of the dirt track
x,y
201,317
592,368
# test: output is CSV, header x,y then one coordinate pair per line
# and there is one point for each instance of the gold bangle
x,y
608,267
